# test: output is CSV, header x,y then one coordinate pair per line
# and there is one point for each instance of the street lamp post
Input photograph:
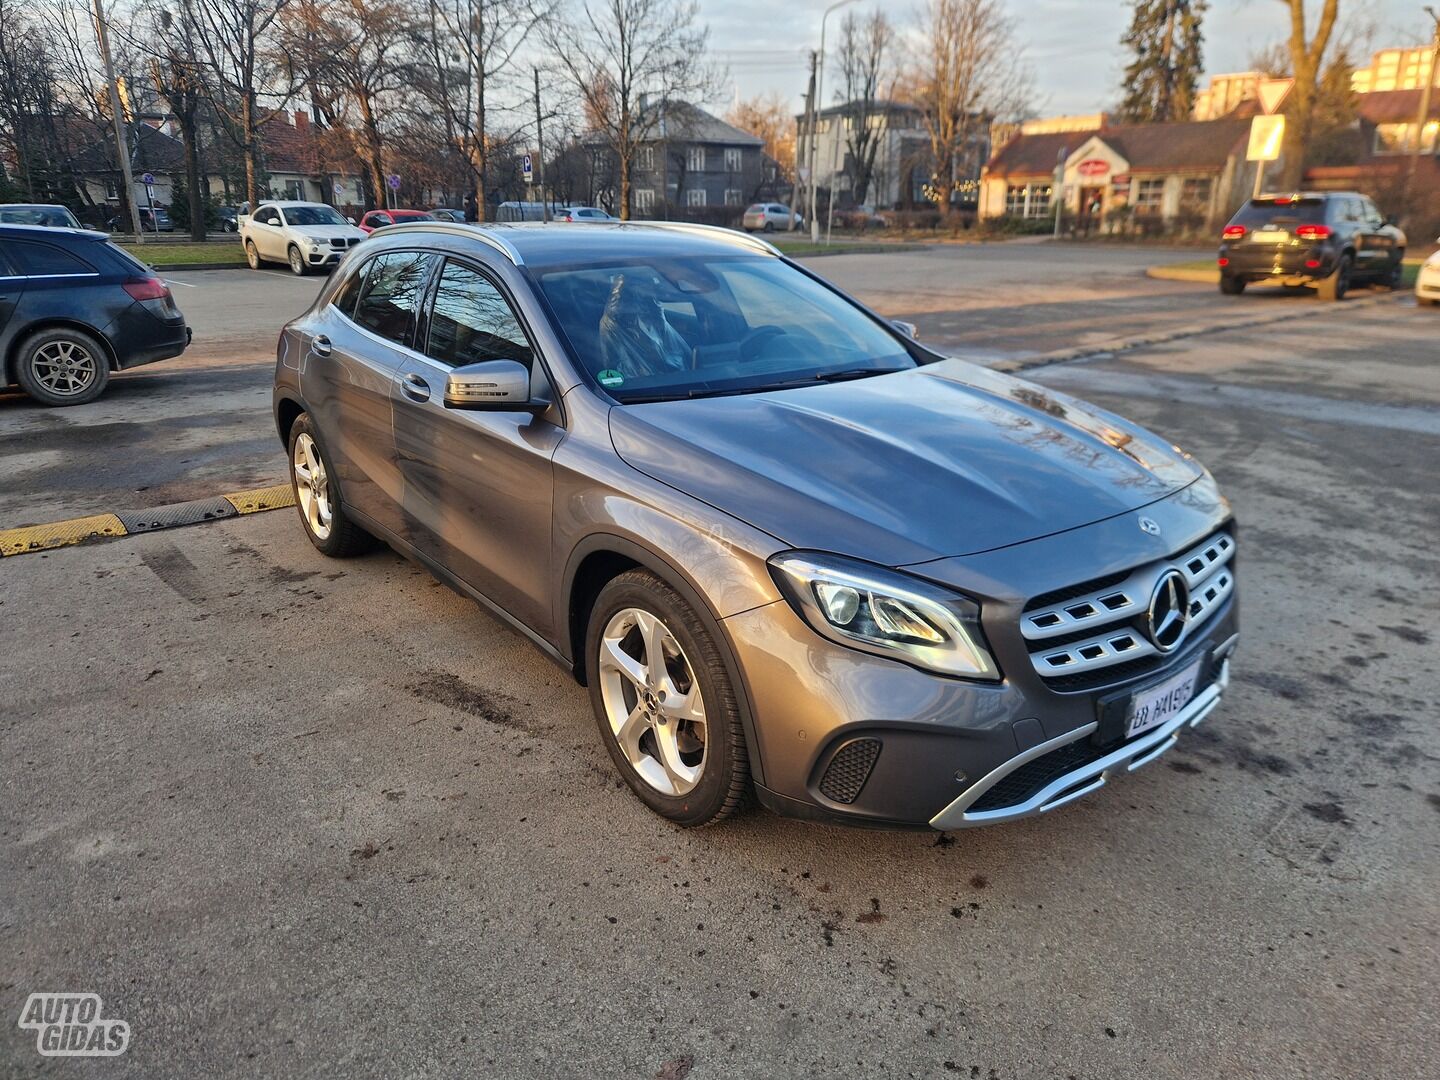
x,y
1417,147
815,108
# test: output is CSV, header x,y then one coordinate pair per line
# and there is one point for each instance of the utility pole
x,y
122,145
1059,188
540,152
815,116
1418,146
810,140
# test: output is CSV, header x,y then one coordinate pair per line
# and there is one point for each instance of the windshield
x,y
54,216
700,326
313,215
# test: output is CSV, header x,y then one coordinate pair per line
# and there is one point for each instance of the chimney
x,y
302,120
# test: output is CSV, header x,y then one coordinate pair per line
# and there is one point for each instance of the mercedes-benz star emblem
x,y
1169,611
1150,525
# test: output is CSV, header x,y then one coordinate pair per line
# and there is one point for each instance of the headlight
x,y
881,611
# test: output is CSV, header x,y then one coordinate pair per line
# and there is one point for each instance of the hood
x,y
945,460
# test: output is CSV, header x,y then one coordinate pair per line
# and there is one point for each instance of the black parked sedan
x,y
1326,240
74,307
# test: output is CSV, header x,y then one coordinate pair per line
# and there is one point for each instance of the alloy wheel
x,y
64,368
252,256
653,701
297,264
312,485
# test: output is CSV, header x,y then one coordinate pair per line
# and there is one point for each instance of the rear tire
x,y
769,226
1393,279
684,754
252,256
1232,286
317,497
62,366
1334,287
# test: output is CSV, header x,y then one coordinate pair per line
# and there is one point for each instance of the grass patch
x,y
159,255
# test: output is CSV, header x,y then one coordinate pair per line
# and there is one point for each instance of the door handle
x,y
415,387
320,346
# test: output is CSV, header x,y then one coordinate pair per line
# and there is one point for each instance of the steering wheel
x,y
750,344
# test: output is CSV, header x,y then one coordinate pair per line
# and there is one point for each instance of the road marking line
x,y
59,534
255,500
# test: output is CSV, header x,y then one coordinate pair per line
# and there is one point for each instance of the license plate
x,y
1153,705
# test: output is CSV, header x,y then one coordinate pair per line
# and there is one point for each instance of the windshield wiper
x,y
854,373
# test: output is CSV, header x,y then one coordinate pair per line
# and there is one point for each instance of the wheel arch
x,y
12,357
600,558
288,408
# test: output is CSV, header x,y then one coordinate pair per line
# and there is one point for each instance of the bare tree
x,y
864,57
171,57
968,71
239,70
1307,63
472,46
632,57
770,119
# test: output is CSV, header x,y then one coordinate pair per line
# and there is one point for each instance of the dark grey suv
x,y
794,554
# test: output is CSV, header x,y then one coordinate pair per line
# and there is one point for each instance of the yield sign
x,y
1273,92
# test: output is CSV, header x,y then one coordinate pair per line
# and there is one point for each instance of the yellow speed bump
x,y
59,534
257,499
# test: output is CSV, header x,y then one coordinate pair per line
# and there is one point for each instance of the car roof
x,y
542,244
284,203
33,206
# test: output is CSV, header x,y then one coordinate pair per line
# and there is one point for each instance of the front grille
x,y
1096,633
1029,778
344,241
849,769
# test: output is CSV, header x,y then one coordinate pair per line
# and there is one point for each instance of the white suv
x,y
302,234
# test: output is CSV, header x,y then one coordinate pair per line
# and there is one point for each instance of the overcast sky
x,y
1072,45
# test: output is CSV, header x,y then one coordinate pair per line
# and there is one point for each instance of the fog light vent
x,y
849,769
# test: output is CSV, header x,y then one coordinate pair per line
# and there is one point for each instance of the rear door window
x,y
390,298
46,260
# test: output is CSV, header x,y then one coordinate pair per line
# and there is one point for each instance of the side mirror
x,y
351,220
1392,219
490,384
909,329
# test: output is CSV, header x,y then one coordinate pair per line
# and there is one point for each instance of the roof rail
x,y
472,230
717,231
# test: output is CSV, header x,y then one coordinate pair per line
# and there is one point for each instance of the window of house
x,y
1039,204
1150,195
391,294
645,157
695,159
1195,191
695,197
734,160
295,190
1398,138
471,321
644,199
1015,200
734,196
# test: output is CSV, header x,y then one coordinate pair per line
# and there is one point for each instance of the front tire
x,y
664,704
252,255
1397,272
296,259
62,366
317,498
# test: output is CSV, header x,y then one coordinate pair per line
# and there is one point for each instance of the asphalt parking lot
x,y
294,817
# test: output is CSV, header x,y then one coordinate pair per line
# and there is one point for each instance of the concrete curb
x,y
1208,276
84,530
241,265
1179,333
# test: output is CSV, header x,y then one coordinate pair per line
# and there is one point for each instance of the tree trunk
x,y
247,123
188,137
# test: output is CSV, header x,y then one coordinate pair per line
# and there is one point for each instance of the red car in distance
x,y
378,219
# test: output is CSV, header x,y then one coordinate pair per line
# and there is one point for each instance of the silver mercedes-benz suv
x,y
792,552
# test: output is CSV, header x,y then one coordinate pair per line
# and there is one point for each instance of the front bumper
x,y
847,736
1085,776
1427,284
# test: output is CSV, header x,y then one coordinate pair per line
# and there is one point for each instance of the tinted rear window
x,y
39,260
1259,212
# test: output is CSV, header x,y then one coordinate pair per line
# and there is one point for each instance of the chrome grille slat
x,y
1117,613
